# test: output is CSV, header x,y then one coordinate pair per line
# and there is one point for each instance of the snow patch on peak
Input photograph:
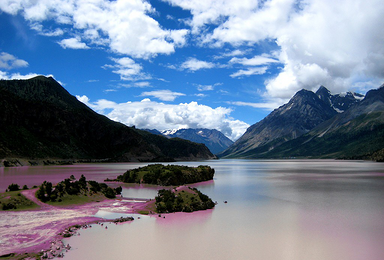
x,y
338,110
169,132
358,96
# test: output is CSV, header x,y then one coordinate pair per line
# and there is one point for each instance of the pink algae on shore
x,y
34,230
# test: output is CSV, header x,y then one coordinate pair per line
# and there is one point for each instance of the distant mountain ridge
x,y
278,135
212,138
40,119
358,133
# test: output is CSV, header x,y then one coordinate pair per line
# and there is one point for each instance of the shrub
x,y
109,193
9,205
13,187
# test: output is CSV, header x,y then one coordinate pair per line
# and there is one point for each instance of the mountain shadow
x,y
40,119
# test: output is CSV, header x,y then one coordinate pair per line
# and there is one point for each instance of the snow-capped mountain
x,y
213,139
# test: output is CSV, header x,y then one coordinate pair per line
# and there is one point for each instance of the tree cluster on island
x,y
167,175
71,186
182,199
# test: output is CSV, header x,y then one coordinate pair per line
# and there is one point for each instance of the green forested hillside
x,y
40,119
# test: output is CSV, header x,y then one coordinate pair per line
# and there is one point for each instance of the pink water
x,y
294,209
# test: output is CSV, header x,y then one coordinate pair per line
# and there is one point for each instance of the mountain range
x,y
212,138
40,119
318,125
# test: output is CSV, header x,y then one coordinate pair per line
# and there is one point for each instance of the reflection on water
x,y
277,209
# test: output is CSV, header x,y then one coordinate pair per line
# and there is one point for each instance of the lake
x,y
277,209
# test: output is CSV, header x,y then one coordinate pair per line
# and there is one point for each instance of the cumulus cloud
x,y
163,95
128,69
160,116
194,64
212,12
338,44
125,26
73,43
8,61
334,43
6,76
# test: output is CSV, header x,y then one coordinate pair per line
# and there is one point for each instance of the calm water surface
x,y
288,209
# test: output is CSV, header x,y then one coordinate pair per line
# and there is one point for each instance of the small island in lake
x,y
167,175
179,199
182,199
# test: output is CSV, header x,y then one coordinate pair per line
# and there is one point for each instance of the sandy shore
x,y
35,230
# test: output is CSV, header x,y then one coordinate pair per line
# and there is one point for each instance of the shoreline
x,y
32,232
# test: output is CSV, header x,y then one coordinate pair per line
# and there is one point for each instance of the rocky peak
x,y
375,94
339,102
324,94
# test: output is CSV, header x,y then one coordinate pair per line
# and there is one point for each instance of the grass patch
x,y
14,200
80,199
13,256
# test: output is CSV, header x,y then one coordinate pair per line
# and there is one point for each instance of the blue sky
x,y
170,64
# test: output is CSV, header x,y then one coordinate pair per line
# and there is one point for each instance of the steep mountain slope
x,y
212,138
357,133
301,114
40,119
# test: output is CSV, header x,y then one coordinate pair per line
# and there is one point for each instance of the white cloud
x,y
267,106
335,43
208,87
164,95
6,76
73,43
205,87
154,115
212,12
255,61
56,32
233,53
142,84
125,26
194,64
128,69
249,72
8,61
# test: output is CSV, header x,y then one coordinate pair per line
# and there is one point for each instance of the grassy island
x,y
72,191
167,175
67,192
182,199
